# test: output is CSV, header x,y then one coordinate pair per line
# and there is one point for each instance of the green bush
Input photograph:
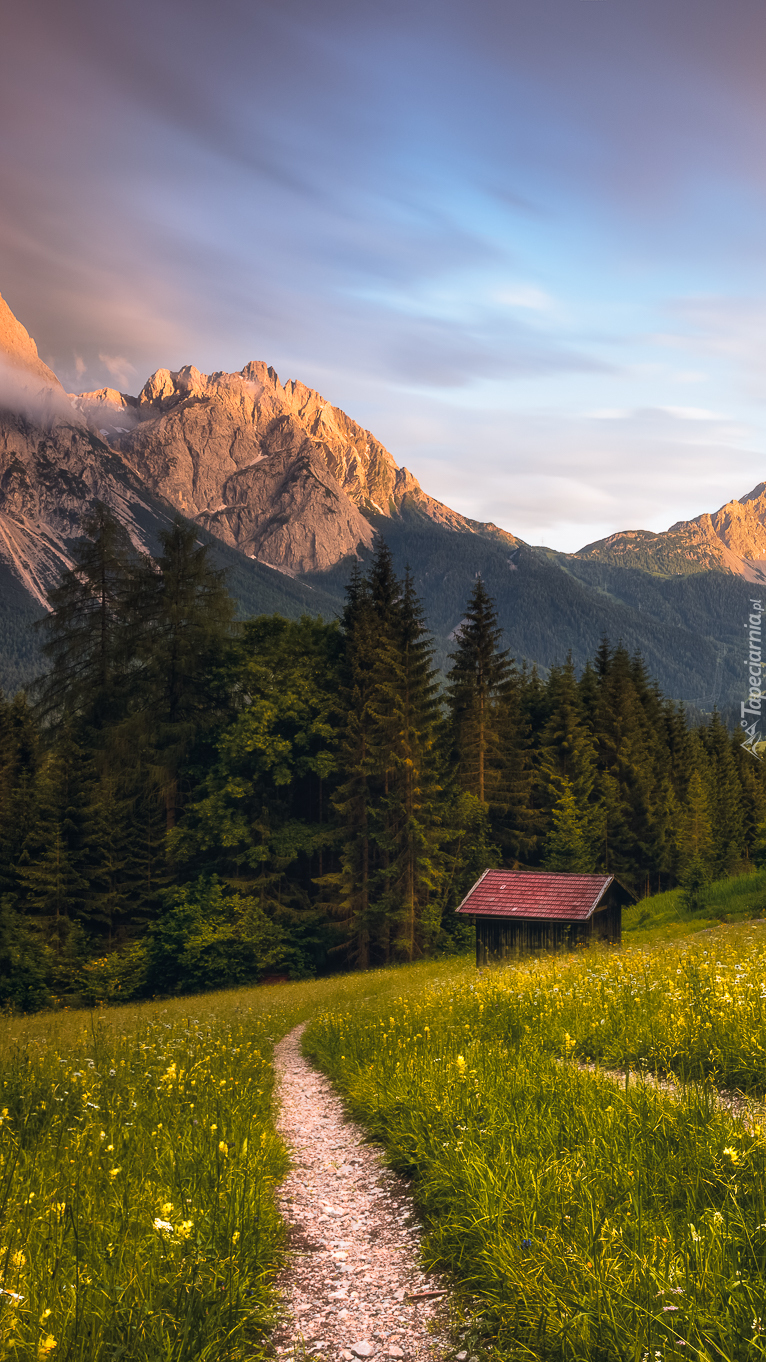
x,y
23,961
210,938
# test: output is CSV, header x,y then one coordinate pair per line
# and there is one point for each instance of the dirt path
x,y
352,1287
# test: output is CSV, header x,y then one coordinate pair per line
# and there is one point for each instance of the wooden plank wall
x,y
503,938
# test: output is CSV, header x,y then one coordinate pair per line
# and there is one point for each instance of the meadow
x,y
579,1218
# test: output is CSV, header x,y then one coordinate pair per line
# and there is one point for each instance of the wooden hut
x,y
517,911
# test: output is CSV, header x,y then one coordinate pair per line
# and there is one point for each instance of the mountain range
x,y
289,490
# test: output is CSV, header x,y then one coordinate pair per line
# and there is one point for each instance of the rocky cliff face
x,y
274,470
282,476
733,539
52,468
18,353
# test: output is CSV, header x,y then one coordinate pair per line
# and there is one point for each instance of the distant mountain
x,y
289,490
732,540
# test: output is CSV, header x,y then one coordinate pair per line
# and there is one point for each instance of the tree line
x,y
189,801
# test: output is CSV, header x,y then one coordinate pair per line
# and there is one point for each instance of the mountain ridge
x,y
731,539
288,490
226,448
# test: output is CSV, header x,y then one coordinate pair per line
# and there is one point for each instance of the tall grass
x,y
136,1209
138,1160
586,1221
696,1009
664,917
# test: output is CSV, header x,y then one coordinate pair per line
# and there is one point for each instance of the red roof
x,y
528,894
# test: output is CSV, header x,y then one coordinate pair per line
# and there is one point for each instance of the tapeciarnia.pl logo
x,y
751,707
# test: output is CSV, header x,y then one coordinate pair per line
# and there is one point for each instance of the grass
x,y
138,1160
663,917
581,1220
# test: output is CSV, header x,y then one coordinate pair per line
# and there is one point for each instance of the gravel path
x,y
352,1287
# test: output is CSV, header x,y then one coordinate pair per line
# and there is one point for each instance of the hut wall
x,y
499,938
607,924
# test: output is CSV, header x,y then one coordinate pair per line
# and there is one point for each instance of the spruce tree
x,y
477,683
626,743
695,836
20,759
567,846
567,757
407,826
183,616
356,788
726,798
86,636
53,873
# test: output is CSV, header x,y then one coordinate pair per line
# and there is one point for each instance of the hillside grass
x,y
138,1161
579,1219
582,1219
662,917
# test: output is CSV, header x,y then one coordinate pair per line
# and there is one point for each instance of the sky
x,y
522,241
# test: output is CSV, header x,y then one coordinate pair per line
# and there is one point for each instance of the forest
x,y
189,801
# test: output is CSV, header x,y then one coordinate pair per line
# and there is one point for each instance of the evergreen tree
x,y
357,787
20,757
626,742
404,710
53,872
567,759
114,883
87,638
186,623
696,842
259,819
515,819
477,683
567,847
726,806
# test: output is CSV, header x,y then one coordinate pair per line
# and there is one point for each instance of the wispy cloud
x,y
466,233
119,368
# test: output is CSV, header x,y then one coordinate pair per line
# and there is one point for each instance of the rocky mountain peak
x,y
19,351
731,539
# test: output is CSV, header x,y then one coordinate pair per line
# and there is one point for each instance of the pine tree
x,y
53,873
87,640
626,751
477,683
567,758
114,881
515,819
356,789
20,758
185,623
695,838
726,798
404,709
567,847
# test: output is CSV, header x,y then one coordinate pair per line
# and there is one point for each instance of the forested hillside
x,y
188,801
686,628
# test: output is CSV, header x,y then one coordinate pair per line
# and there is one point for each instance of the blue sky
x,y
522,242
